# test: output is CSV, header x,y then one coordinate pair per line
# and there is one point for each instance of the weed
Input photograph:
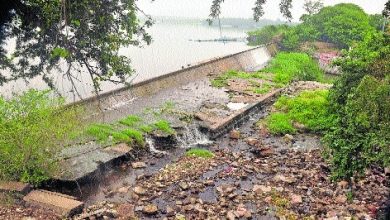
x,y
33,126
131,120
135,135
100,131
350,196
294,66
280,123
199,152
164,126
309,108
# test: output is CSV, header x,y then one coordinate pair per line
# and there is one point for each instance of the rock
x,y
170,211
139,190
230,215
387,171
126,211
288,138
299,126
343,184
252,141
183,185
258,189
341,199
123,189
138,165
150,209
281,178
243,212
296,199
332,218
234,134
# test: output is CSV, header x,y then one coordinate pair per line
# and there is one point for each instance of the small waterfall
x,y
192,137
150,143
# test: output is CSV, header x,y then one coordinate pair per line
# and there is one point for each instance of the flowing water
x,y
174,47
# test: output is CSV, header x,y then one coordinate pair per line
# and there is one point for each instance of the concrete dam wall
x,y
249,60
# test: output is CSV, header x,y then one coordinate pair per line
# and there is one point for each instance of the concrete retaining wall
x,y
246,60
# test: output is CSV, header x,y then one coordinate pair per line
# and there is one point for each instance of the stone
x,y
343,184
230,215
261,189
288,138
281,178
126,211
16,187
150,209
341,199
139,190
234,134
296,199
170,211
63,205
387,171
183,185
252,141
138,165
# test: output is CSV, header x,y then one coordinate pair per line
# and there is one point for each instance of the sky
x,y
240,8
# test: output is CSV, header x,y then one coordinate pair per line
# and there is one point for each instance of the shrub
x,y
309,108
360,99
294,66
280,123
266,34
199,152
33,129
342,24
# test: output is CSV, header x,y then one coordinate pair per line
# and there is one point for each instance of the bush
x,y
266,34
309,108
342,24
280,123
294,66
33,129
361,101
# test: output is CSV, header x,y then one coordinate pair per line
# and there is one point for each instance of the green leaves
x,y
33,127
60,52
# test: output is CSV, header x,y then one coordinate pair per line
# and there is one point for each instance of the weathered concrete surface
x,y
63,205
252,59
216,126
15,187
189,89
84,161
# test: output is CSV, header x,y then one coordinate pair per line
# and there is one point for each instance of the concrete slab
x,y
82,163
15,187
63,205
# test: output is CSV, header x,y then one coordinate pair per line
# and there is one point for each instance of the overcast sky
x,y
240,8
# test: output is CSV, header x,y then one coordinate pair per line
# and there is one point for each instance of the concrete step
x,y
15,187
63,205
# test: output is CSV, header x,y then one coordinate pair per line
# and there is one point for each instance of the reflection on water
x,y
172,48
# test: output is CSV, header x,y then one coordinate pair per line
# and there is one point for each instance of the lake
x,y
174,46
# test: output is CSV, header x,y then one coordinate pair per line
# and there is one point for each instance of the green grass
x,y
199,152
164,126
309,108
100,131
222,80
280,123
135,135
131,120
294,66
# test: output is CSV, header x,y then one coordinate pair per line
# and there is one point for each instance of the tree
x,y
258,10
84,34
311,7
